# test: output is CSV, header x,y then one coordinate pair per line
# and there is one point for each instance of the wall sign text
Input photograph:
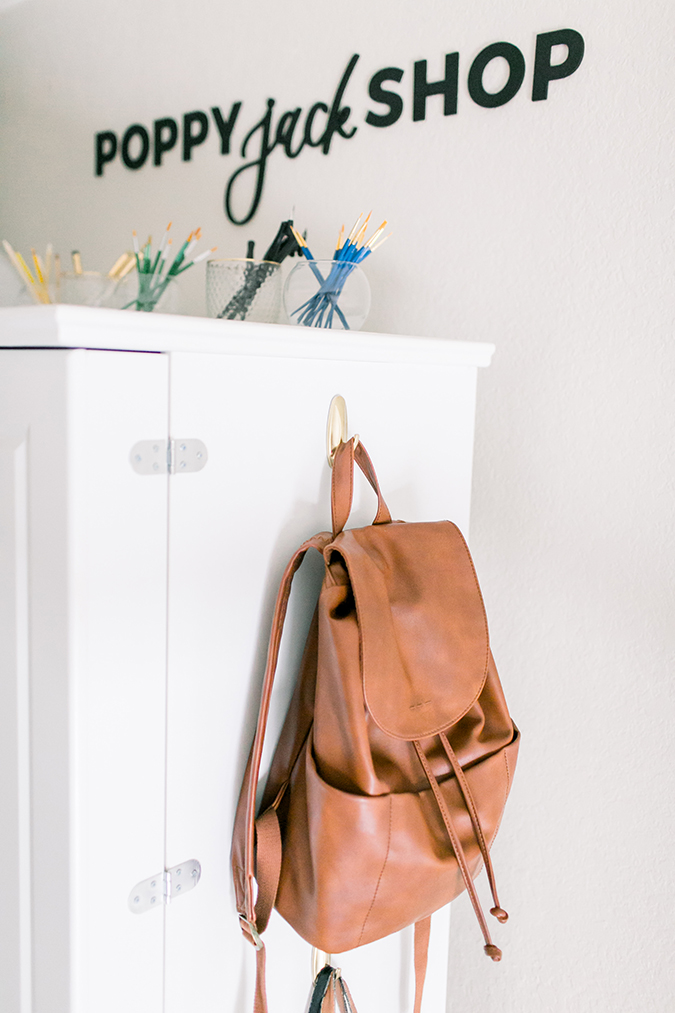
x,y
316,126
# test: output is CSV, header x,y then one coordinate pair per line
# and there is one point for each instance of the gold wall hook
x,y
337,427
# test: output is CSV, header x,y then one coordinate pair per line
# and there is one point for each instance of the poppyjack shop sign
x,y
294,130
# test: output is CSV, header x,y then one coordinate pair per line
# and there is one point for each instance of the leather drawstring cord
x,y
490,949
498,911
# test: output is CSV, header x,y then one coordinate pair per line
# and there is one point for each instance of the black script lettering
x,y
309,123
135,130
338,115
106,149
190,139
164,143
516,62
446,87
284,136
225,126
258,164
391,99
544,71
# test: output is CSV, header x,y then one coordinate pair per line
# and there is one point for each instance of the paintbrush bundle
x,y
157,270
283,245
37,281
47,283
322,307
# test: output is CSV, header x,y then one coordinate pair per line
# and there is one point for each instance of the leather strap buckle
x,y
248,928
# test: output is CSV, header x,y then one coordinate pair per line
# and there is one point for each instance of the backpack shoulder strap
x,y
244,837
421,950
261,864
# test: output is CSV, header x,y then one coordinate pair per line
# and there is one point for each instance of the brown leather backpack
x,y
395,760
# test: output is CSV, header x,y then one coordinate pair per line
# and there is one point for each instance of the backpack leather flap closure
x,y
422,623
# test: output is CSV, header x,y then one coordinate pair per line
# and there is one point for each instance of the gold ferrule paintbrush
x,y
19,265
118,265
355,229
377,233
380,242
362,230
49,252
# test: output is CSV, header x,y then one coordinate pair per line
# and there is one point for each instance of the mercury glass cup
x,y
243,290
327,293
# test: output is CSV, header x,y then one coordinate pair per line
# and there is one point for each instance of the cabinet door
x,y
83,549
233,526
118,590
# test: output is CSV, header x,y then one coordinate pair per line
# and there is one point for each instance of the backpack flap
x,y
423,630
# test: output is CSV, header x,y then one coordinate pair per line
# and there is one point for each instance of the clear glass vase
x,y
327,293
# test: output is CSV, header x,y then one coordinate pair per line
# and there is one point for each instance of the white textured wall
x,y
545,227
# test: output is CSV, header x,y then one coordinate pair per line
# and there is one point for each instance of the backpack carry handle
x,y
342,484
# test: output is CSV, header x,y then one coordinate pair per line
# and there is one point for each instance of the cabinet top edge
x,y
106,329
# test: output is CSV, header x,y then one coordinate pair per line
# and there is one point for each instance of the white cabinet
x,y
134,614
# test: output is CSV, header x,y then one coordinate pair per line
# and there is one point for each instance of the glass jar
x,y
243,290
327,293
91,288
150,296
83,289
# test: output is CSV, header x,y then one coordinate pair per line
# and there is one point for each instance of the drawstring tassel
x,y
499,913
491,950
